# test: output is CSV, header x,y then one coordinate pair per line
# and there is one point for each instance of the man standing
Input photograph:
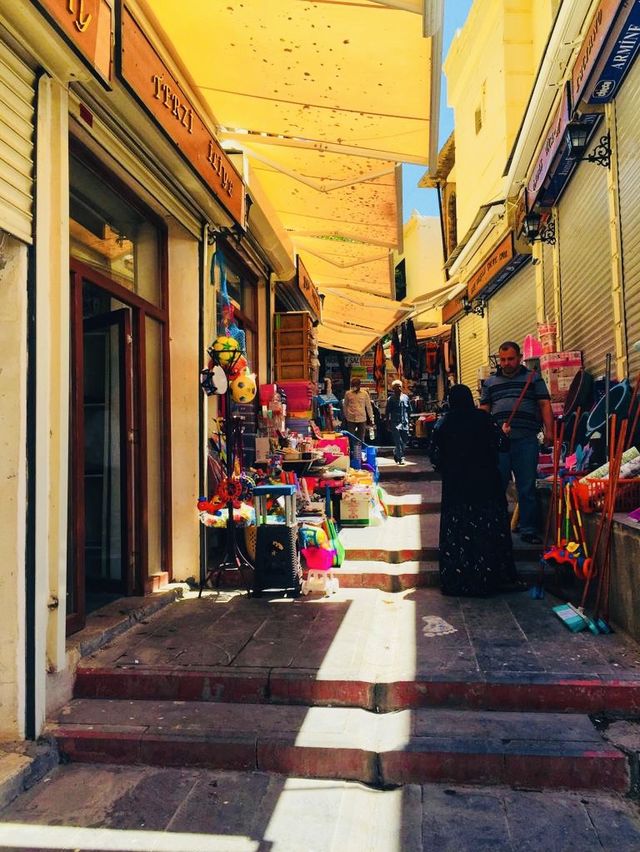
x,y
500,396
397,417
357,410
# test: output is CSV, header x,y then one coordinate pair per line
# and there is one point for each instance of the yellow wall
x,y
184,277
423,257
13,324
490,69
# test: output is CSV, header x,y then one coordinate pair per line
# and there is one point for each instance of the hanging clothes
x,y
395,349
378,368
409,349
433,356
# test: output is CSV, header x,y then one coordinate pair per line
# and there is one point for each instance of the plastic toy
x,y
243,388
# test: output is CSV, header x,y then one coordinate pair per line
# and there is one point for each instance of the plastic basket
x,y
591,494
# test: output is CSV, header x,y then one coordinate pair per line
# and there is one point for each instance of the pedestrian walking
x,y
519,401
357,410
476,553
397,417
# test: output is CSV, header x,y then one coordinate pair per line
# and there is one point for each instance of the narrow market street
x,y
385,717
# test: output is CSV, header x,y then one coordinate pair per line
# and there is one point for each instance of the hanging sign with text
x,y
551,146
88,25
158,90
618,55
499,258
308,289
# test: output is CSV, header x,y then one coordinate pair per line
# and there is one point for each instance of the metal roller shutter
x,y
512,310
17,82
471,337
585,267
627,111
547,276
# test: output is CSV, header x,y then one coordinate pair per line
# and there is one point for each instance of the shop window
x,y
110,235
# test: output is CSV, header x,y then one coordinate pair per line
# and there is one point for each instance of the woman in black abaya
x,y
476,556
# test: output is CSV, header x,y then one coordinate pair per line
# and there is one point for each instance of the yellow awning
x,y
325,98
357,319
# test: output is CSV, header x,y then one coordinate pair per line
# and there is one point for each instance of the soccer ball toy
x,y
243,388
225,349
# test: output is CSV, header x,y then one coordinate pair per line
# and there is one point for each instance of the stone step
x,y
406,539
520,749
397,577
512,691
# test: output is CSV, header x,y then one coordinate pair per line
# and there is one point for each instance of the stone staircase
x,y
357,687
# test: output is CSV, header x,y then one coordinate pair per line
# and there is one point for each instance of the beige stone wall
x,y
490,69
184,279
13,371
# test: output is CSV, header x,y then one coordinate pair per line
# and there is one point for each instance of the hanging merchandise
x,y
409,349
379,368
432,356
226,322
395,350
243,388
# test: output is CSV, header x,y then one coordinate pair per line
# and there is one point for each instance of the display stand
x,y
233,558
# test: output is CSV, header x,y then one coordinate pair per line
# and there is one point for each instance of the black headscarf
x,y
461,399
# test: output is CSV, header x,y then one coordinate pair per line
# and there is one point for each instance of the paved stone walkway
x,y
142,808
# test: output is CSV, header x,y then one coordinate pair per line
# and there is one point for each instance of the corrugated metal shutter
x,y
547,277
627,111
512,310
585,267
17,82
471,337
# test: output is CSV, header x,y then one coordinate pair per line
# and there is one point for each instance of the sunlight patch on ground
x,y
22,836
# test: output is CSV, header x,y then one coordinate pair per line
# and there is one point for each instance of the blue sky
x,y
425,201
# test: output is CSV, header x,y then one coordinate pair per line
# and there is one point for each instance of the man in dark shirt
x,y
500,395
397,416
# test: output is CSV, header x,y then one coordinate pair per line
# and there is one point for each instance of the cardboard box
x,y
558,381
355,507
553,360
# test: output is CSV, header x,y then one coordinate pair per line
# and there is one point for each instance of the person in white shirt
x,y
357,410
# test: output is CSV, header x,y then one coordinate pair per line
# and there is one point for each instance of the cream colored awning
x,y
325,98
356,320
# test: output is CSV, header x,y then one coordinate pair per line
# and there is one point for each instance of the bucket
x,y
547,332
318,558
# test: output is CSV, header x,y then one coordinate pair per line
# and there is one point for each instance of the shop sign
x,y
88,25
594,40
619,55
308,289
162,95
509,271
519,212
552,143
497,260
451,310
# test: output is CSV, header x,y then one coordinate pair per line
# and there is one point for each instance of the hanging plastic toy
x,y
226,323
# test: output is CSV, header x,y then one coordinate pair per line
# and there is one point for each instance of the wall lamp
x,y
475,306
236,231
535,230
577,136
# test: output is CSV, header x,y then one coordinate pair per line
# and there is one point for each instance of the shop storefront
x,y
585,267
627,109
471,334
512,309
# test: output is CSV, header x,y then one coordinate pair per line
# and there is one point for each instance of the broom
x,y
537,590
602,597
